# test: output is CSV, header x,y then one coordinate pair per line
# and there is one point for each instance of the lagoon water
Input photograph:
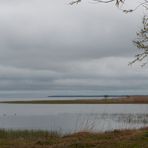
x,y
73,118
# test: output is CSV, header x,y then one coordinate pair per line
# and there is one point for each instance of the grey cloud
x,y
51,45
86,75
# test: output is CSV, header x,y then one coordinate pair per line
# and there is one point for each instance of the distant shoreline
x,y
138,99
89,96
95,96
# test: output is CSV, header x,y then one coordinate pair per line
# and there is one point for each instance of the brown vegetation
x,y
41,139
124,100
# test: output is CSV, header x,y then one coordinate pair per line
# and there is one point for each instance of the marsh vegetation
x,y
42,139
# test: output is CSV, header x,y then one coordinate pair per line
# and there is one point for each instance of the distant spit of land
x,y
88,96
138,99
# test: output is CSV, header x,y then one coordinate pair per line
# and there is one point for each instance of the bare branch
x,y
142,43
142,36
75,2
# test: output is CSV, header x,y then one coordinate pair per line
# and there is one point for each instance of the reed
x,y
43,139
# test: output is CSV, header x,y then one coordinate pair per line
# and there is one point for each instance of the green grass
x,y
26,133
44,139
26,138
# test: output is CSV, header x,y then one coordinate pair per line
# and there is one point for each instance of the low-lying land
x,y
124,100
43,139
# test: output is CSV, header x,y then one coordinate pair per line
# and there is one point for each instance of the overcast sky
x,y
50,45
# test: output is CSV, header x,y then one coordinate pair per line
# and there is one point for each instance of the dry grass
x,y
41,139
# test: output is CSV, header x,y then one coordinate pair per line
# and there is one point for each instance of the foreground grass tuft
x,y
44,139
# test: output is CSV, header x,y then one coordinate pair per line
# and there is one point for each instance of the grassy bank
x,y
125,100
41,139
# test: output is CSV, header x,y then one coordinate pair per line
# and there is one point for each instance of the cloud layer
x,y
50,45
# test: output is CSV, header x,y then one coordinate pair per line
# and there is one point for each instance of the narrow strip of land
x,y
124,100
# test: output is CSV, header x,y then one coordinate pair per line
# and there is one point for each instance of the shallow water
x,y
72,118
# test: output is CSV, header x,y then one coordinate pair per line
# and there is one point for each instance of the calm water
x,y
72,118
